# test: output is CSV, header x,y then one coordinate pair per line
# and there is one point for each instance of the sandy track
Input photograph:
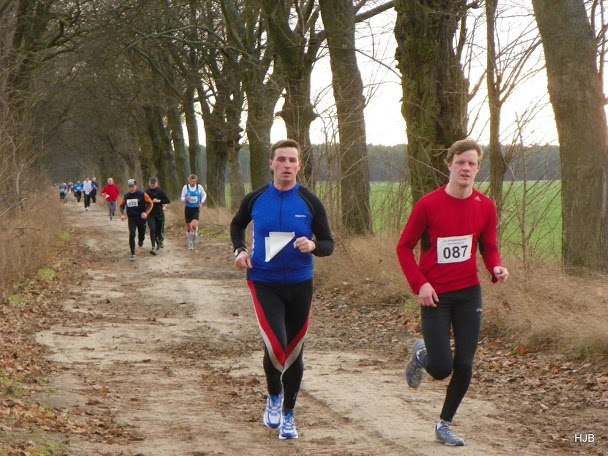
x,y
165,353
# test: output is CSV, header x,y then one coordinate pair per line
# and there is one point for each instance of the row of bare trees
x,y
111,85
431,36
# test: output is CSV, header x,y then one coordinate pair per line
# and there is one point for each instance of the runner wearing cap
x,y
138,206
156,218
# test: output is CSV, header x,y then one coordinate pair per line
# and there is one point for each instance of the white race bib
x,y
192,199
132,202
454,249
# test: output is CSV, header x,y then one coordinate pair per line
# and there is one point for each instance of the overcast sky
x,y
385,124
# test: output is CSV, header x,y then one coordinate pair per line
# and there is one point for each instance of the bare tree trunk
x,y
434,86
232,137
298,114
261,101
575,89
222,129
297,53
194,145
339,22
217,158
263,86
260,117
141,165
237,189
162,151
498,164
155,141
179,145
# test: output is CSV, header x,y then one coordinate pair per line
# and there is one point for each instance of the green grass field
x,y
530,225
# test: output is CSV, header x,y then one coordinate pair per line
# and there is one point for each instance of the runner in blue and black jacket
x,y
290,225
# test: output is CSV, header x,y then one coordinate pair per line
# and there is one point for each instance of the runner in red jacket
x,y
452,223
111,192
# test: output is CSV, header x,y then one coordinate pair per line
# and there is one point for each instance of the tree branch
x,y
374,11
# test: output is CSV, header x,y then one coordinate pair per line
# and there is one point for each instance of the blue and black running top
x,y
296,211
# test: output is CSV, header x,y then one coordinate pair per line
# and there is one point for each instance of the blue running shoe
x,y
416,364
444,434
272,412
288,426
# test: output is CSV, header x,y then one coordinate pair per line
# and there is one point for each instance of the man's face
x,y
285,165
464,168
192,182
153,184
132,188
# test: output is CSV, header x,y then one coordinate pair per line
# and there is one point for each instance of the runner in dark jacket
x,y
138,206
156,219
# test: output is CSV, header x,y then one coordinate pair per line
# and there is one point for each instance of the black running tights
x,y
139,226
155,224
460,312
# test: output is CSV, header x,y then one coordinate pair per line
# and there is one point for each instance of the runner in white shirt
x,y
87,187
193,197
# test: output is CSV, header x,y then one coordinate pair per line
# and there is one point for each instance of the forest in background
x,y
386,164
389,163
125,88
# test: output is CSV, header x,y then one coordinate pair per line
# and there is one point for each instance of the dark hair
x,y
284,143
462,145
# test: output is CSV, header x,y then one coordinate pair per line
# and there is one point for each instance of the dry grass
x,y
542,309
214,222
359,261
27,236
545,308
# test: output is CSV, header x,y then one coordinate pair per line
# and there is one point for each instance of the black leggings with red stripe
x,y
283,313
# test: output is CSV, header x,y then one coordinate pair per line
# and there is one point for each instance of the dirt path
x,y
162,356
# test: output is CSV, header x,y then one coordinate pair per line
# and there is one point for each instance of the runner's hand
x,y
501,274
304,245
427,296
243,260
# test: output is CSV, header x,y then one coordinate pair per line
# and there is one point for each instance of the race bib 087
x,y
454,249
132,202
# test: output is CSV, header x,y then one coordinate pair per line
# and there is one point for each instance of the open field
x,y
530,225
